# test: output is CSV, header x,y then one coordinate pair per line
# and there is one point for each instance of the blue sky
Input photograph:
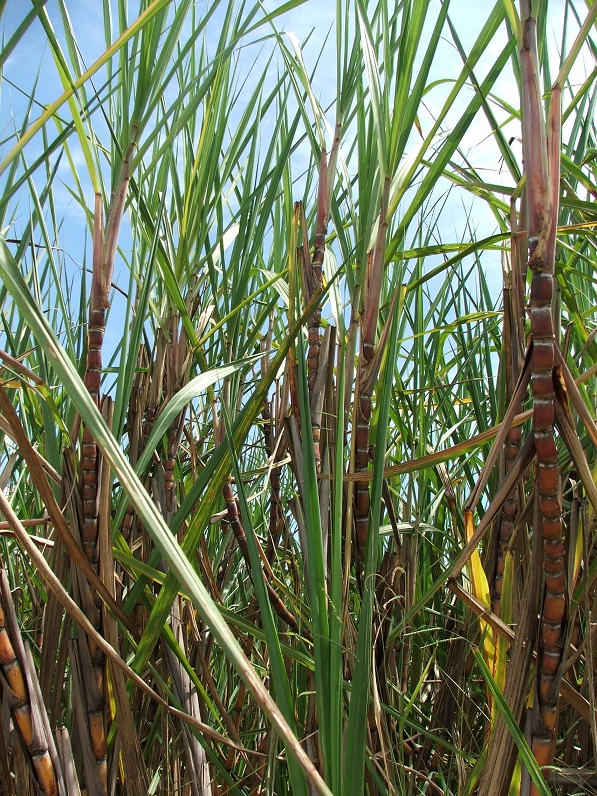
x,y
32,62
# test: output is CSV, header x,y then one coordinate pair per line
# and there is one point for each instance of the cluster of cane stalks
x,y
298,486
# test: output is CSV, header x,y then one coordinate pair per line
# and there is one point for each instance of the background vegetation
x,y
297,497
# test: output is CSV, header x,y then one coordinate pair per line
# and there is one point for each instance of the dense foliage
x,y
297,398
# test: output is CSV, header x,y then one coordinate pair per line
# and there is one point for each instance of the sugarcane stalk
x,y
368,371
542,167
275,481
239,533
135,423
104,253
321,226
105,243
26,719
512,342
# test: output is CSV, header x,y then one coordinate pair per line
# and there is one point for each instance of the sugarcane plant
x,y
297,483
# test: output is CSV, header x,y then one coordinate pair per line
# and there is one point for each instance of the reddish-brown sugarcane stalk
x,y
169,464
177,369
542,167
550,505
155,392
134,420
18,699
362,454
151,391
316,280
513,330
240,696
551,383
104,252
275,515
239,534
507,520
93,373
313,279
256,779
368,370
